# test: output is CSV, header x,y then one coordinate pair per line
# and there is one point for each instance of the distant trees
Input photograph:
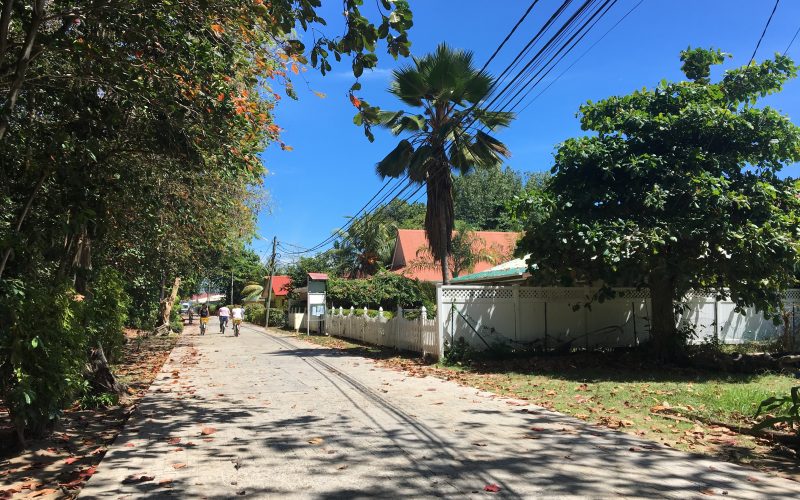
x,y
678,189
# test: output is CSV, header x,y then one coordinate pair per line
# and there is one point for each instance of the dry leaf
x,y
316,441
491,488
207,431
178,466
137,478
175,440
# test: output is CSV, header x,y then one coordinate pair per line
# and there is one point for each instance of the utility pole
x,y
231,286
269,282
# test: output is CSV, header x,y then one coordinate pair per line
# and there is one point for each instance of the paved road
x,y
295,421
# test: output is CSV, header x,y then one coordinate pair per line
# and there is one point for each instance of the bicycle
x,y
236,323
203,323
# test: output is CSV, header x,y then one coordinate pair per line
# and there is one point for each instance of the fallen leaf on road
x,y
174,441
208,430
178,466
752,479
137,478
538,429
479,444
316,441
342,467
492,488
129,445
708,491
167,483
71,460
43,492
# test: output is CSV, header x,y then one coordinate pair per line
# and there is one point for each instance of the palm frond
x,y
395,163
493,119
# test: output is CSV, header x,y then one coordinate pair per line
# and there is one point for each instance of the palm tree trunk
x,y
444,258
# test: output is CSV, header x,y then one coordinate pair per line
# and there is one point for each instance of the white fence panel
x,y
555,316
415,335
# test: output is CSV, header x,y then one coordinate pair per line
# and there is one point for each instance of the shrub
x,y
106,313
458,352
780,410
277,318
43,351
254,313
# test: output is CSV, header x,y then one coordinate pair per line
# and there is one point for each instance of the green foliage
x,y
103,400
368,243
457,353
106,313
254,313
42,352
384,289
131,141
480,198
677,190
277,318
783,410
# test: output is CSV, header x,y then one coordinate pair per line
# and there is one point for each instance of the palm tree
x,y
468,250
447,136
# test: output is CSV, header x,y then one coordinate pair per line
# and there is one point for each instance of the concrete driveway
x,y
268,416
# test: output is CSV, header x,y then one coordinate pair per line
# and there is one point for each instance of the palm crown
x,y
447,135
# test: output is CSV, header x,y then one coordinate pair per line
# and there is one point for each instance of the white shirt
x,y
238,313
224,311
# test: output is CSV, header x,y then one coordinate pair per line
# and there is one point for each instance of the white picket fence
x,y
546,317
415,335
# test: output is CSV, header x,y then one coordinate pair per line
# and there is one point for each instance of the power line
x,y
792,41
509,35
582,56
774,8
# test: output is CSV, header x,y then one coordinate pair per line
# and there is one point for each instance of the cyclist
x,y
224,314
238,315
204,314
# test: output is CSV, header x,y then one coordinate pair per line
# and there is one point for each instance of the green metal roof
x,y
488,275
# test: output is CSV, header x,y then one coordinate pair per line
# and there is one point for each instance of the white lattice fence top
x,y
793,295
471,293
458,293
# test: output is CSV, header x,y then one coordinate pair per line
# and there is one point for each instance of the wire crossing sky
x,y
330,174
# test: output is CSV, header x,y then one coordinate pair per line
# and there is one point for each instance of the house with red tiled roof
x,y
280,291
411,259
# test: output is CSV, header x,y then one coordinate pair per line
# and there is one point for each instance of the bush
x,y
254,313
384,289
277,318
106,313
780,410
43,351
458,352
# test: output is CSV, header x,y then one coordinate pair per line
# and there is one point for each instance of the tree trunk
x,y
444,263
23,62
663,332
166,305
99,374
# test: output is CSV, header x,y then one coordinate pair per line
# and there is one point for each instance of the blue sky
x,y
330,172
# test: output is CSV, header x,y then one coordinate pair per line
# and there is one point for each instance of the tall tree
x,y
677,191
480,198
447,135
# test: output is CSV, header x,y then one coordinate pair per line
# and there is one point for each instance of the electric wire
x,y
792,41
766,26
583,55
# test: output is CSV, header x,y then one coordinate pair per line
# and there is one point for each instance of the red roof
x,y
280,285
318,276
409,241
